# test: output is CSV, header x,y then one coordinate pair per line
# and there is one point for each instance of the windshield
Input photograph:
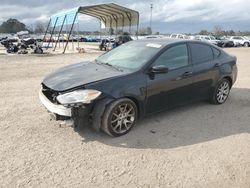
x,y
132,55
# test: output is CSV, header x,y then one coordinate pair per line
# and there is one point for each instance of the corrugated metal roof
x,y
57,19
111,15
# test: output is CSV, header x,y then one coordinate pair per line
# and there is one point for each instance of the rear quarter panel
x,y
228,67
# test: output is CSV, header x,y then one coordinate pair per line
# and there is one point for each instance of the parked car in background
x,y
242,41
39,37
191,37
178,36
226,42
138,78
122,39
210,39
106,44
83,39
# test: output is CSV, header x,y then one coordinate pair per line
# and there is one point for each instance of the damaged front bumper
x,y
78,115
54,108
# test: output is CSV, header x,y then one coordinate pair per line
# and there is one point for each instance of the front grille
x,y
50,94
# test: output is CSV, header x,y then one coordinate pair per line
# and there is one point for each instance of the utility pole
x,y
151,7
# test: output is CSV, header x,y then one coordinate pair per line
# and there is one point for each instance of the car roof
x,y
159,41
165,42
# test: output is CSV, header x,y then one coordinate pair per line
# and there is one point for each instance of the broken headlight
x,y
78,96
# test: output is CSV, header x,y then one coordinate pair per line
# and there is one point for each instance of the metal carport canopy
x,y
112,15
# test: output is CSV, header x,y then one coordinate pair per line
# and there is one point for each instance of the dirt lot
x,y
199,145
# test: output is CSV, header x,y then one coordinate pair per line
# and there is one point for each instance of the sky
x,y
179,16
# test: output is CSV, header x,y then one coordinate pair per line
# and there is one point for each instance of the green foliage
x,y
204,32
218,31
12,26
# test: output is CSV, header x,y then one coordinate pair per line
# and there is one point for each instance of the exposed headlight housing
x,y
78,96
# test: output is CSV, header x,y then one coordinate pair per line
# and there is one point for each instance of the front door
x,y
171,88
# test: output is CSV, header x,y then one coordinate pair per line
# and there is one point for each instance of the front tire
x,y
221,92
119,117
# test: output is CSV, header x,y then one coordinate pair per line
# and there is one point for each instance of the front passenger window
x,y
174,57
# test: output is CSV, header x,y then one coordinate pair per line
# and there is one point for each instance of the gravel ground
x,y
199,145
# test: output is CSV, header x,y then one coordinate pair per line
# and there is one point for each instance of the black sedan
x,y
136,79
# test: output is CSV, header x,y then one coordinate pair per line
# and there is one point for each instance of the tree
x,y
30,28
218,31
39,27
204,32
231,33
12,26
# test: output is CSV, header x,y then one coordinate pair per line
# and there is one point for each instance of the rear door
x,y
205,68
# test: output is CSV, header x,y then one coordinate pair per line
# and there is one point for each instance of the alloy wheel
x,y
123,118
223,92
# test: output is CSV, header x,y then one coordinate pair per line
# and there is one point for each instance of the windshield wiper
x,y
116,67
108,64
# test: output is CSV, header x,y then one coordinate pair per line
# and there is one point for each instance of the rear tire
x,y
119,117
221,92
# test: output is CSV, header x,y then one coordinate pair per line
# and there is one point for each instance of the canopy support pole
x,y
123,21
60,32
46,31
78,45
52,33
130,19
73,39
137,30
70,33
116,23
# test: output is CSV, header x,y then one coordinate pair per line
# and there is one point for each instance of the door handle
x,y
216,65
187,74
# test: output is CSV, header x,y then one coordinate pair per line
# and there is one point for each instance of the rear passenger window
x,y
201,53
216,52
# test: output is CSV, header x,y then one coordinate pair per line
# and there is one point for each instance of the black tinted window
x,y
201,53
174,57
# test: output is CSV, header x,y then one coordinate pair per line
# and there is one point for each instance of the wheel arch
x,y
229,79
137,103
100,107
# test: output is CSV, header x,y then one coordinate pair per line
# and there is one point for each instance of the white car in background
x,y
178,36
210,39
240,41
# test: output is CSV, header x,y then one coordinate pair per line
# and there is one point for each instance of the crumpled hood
x,y
78,75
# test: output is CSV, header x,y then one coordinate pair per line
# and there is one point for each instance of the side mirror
x,y
159,69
